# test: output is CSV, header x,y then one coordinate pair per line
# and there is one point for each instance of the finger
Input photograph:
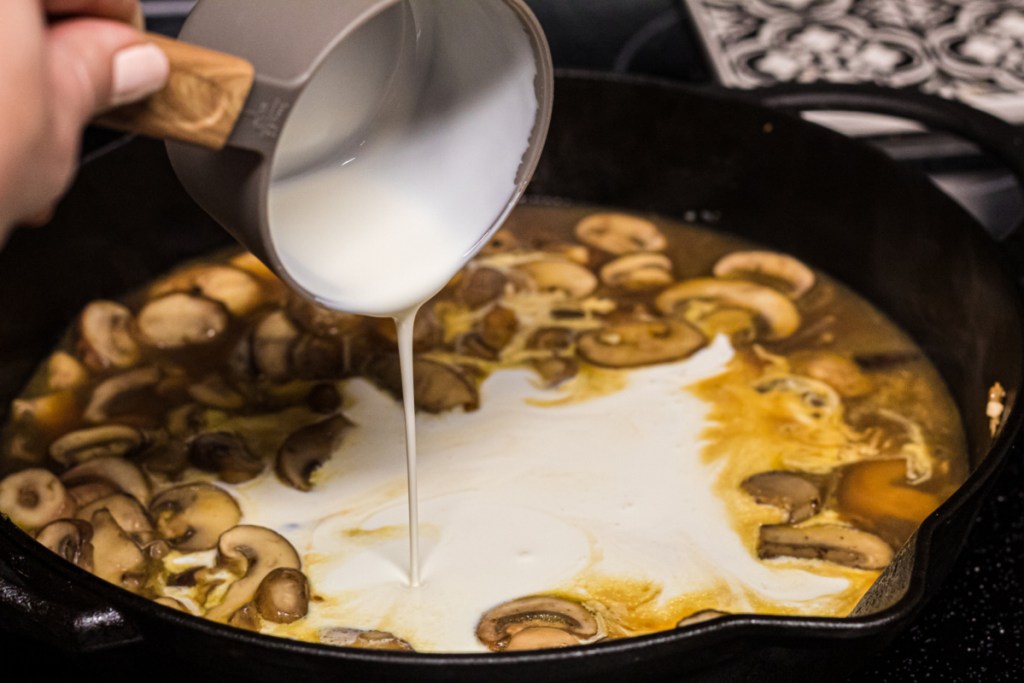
x,y
128,11
97,64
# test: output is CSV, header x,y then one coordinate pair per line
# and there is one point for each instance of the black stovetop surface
x,y
973,630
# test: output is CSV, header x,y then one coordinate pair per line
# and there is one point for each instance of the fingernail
x,y
139,71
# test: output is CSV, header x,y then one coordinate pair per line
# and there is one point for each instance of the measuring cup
x,y
328,75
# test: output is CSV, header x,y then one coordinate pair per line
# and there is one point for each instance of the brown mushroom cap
x,y
364,640
793,492
122,475
255,552
553,275
501,624
177,320
498,327
438,387
701,616
620,233
307,449
115,395
105,336
33,498
87,444
775,310
226,454
638,272
634,344
271,344
791,275
192,517
830,542
480,286
116,558
236,289
283,596
129,514
246,618
71,539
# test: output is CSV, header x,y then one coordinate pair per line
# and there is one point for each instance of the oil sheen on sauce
x,y
432,145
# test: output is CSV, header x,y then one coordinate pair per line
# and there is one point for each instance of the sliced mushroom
x,y
71,539
116,558
830,542
254,552
105,336
283,596
639,343
480,286
215,392
85,493
839,372
700,617
193,516
96,442
168,458
33,498
552,275
324,398
315,357
54,413
560,366
129,514
272,341
793,492
500,625
321,321
64,372
307,449
246,618
236,289
438,387
226,454
619,233
498,327
638,272
178,320
776,312
122,475
787,273
119,394
365,640
502,242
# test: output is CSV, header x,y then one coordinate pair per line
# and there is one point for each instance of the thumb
x,y
97,64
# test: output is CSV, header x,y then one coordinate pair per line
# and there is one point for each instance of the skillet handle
x,y
993,135
59,615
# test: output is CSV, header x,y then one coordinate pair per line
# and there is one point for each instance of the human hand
x,y
61,63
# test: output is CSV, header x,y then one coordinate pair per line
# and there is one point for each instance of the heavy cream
x,y
528,494
380,198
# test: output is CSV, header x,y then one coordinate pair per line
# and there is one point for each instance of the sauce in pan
x,y
626,425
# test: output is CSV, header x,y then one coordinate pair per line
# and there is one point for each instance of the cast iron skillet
x,y
645,146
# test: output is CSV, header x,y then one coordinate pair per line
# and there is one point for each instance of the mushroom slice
x,y
501,624
839,372
71,539
87,492
246,618
700,617
503,241
56,412
239,291
193,516
178,320
113,396
620,233
64,372
96,442
33,498
105,336
791,275
116,558
315,357
213,391
790,491
498,327
438,387
272,341
128,512
321,321
638,272
122,475
480,286
553,275
283,596
253,551
830,542
364,640
168,458
307,449
775,310
639,343
226,454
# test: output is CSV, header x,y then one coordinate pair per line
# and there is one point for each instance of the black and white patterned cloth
x,y
971,50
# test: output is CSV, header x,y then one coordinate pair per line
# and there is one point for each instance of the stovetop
x,y
973,629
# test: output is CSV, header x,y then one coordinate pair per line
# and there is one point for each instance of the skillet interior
x,y
880,228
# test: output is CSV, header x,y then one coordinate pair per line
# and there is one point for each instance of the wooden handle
x,y
201,103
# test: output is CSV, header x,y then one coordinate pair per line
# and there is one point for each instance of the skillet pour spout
x,y
646,146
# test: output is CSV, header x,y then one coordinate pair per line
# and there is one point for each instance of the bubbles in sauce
x,y
620,426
